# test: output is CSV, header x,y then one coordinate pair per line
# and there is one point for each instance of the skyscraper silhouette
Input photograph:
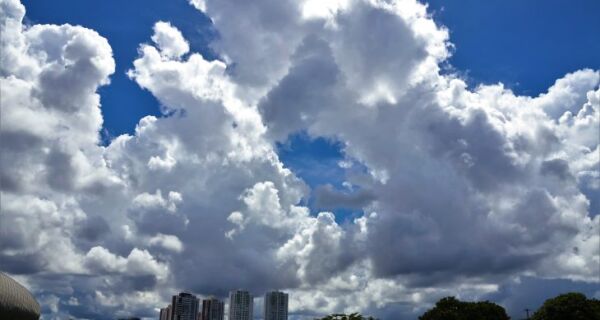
x,y
276,306
184,307
213,309
240,305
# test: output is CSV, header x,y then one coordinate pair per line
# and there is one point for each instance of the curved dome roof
x,y
16,303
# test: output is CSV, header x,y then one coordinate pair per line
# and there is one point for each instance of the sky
x,y
368,156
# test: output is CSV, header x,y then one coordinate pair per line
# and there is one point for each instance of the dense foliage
x,y
450,308
569,306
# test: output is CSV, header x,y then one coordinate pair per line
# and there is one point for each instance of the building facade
x,y
213,309
184,307
241,304
276,306
165,313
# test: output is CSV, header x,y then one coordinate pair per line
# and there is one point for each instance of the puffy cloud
x,y
50,122
264,208
199,4
569,93
62,204
443,159
169,40
146,200
138,262
168,242
463,190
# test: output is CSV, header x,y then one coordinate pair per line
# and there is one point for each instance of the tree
x,y
450,308
569,306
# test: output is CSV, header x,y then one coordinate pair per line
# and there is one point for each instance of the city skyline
x,y
185,306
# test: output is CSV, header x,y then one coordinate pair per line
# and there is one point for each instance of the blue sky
x,y
126,24
510,41
437,186
513,42
524,44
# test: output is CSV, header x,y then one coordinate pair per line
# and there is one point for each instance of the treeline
x,y
569,306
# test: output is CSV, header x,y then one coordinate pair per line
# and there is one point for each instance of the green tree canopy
x,y
450,308
569,306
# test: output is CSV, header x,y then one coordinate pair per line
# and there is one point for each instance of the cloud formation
x,y
463,189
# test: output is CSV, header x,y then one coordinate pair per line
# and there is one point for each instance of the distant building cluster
x,y
186,306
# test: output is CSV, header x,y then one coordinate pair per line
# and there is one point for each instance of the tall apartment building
x,y
276,306
184,307
165,313
241,304
213,309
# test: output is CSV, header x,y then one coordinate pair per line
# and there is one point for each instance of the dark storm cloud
x,y
556,167
60,171
22,263
476,148
530,293
92,229
303,91
327,197
15,147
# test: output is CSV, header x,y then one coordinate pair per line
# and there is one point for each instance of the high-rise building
x,y
213,309
276,305
241,304
184,307
165,313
